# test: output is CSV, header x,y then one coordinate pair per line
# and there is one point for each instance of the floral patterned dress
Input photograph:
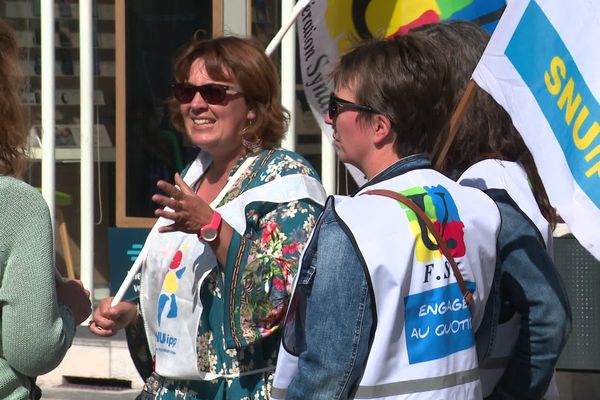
x,y
245,300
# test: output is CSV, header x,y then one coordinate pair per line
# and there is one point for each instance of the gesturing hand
x,y
188,211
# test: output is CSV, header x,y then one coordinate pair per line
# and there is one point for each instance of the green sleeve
x,y
36,333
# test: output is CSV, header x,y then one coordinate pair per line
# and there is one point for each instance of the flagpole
x,y
130,277
296,10
288,76
455,122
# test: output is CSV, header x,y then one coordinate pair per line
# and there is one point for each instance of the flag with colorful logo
x,y
327,29
541,65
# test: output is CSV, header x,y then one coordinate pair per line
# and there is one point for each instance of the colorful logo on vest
x,y
441,209
167,298
437,321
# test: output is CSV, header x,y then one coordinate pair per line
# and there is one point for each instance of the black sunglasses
x,y
337,105
212,93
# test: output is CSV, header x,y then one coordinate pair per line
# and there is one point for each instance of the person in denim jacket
x,y
528,317
361,322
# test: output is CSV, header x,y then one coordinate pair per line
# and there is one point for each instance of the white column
x,y
48,116
288,73
86,73
328,166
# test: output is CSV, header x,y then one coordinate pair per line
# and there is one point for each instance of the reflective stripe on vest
x,y
405,387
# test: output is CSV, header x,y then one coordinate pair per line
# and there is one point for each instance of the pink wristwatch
x,y
210,232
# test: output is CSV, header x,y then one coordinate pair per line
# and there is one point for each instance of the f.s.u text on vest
x,y
445,275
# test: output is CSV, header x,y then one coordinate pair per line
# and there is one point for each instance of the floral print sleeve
x,y
271,260
245,300
262,264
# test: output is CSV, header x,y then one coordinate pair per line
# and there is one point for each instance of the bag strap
x,y
467,295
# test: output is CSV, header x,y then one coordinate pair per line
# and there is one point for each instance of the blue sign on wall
x,y
124,245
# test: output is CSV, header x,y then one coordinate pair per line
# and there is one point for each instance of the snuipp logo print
x,y
167,299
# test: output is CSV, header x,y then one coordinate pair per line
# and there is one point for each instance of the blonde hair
x,y
13,134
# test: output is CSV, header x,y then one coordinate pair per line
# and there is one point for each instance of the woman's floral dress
x,y
245,301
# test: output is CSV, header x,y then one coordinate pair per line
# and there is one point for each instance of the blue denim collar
x,y
415,161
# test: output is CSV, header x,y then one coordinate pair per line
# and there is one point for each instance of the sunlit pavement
x,y
94,368
60,393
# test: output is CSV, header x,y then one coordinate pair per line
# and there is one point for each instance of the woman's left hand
x,y
188,211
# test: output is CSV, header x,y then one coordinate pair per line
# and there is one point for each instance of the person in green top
x,y
38,310
219,265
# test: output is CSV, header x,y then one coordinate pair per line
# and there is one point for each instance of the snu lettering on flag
x,y
541,67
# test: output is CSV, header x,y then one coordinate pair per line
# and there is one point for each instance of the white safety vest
x,y
427,351
177,264
510,176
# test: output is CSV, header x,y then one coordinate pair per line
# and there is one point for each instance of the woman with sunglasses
x,y
381,309
221,259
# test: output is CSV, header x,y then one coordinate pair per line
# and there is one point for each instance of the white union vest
x,y
428,350
177,263
508,175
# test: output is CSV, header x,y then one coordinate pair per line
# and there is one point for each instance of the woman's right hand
x,y
107,320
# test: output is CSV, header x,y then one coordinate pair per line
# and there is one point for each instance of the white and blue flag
x,y
542,65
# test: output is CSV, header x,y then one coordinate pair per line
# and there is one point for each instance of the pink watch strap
x,y
210,231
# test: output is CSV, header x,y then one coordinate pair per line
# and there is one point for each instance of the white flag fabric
x,y
326,29
542,65
319,52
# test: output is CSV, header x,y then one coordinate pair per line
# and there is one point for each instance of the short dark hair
x,y
486,129
405,78
245,62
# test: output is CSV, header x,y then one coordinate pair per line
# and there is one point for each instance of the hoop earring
x,y
251,141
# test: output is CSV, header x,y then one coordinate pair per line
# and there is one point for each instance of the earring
x,y
251,141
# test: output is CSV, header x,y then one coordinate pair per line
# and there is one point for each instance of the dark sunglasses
x,y
337,105
212,93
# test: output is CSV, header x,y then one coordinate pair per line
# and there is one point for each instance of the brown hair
x,y
406,79
13,134
245,62
486,130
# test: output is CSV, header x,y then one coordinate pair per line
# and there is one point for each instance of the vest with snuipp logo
x,y
177,264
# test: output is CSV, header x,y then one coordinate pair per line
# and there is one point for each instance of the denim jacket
x,y
526,282
336,350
